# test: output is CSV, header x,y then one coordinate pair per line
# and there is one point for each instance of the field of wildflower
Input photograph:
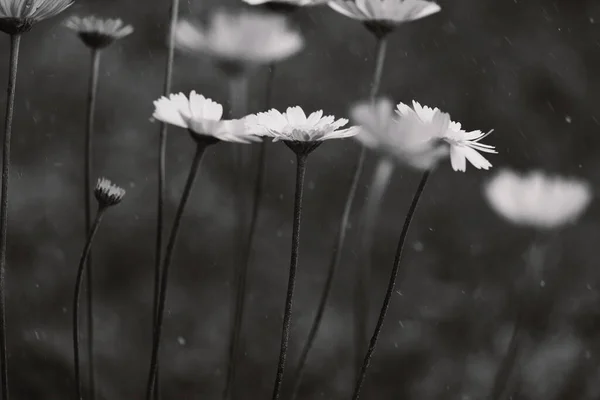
x,y
299,199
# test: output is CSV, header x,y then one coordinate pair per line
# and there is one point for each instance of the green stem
x,y
391,284
287,316
87,190
189,184
78,283
15,41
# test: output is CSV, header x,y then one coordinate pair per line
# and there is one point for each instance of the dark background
x,y
527,68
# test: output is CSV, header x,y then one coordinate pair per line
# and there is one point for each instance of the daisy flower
x,y
107,193
18,16
284,6
382,16
536,199
435,125
296,129
406,140
98,33
202,117
239,40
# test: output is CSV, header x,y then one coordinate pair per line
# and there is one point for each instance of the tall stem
x,y
78,283
189,184
379,184
391,285
162,155
242,273
335,260
15,41
361,299
287,316
87,191
504,373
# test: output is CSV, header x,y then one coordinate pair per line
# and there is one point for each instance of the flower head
x,y
408,139
18,16
107,193
382,16
98,33
241,39
435,126
536,199
293,126
284,5
202,117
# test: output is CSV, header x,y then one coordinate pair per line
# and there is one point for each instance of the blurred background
x,y
527,68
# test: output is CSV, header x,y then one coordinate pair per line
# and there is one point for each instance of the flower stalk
x,y
15,42
391,284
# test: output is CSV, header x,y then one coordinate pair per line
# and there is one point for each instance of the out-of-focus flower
x,y
240,40
409,140
284,6
536,199
382,16
298,131
437,126
18,16
202,117
107,193
98,33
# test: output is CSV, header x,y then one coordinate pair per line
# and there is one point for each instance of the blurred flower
x,y
436,125
239,40
300,3
18,16
382,16
202,117
536,199
299,132
98,33
107,193
407,140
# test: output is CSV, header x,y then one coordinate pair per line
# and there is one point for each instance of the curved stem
x,y
242,272
391,285
162,155
287,316
78,283
189,184
15,42
377,189
335,260
87,190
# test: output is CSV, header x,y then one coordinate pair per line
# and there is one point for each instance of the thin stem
x,y
87,191
377,189
287,316
361,299
162,155
504,373
391,285
15,41
335,260
242,272
189,184
78,283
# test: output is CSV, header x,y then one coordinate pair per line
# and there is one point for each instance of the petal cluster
x,y
201,116
107,193
293,125
97,32
243,37
18,16
537,199
389,11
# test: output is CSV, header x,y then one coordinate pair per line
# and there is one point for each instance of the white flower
x,y
97,32
294,126
242,37
436,125
300,3
201,116
392,12
536,199
407,139
107,193
18,16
